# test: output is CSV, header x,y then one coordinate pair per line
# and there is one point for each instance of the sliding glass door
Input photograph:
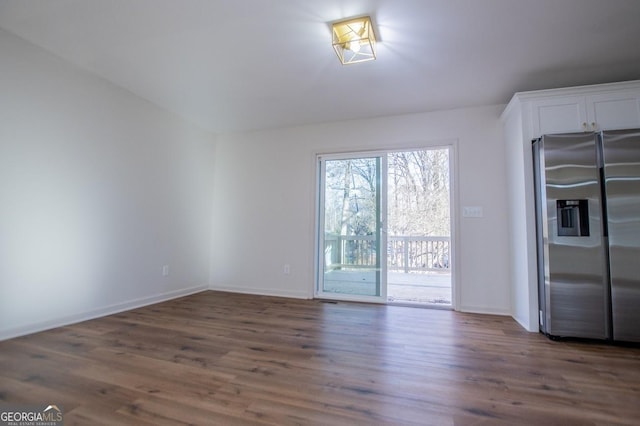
x,y
384,227
351,237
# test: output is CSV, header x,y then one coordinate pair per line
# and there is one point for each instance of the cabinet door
x,y
559,115
613,111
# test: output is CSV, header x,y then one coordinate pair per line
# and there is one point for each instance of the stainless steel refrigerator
x,y
588,228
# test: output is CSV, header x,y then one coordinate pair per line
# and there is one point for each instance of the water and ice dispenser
x,y
573,218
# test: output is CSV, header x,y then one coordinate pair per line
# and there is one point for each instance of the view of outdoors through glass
x,y
417,226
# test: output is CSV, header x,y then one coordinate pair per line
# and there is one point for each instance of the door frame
x,y
452,146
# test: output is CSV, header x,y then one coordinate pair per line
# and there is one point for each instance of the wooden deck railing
x,y
404,253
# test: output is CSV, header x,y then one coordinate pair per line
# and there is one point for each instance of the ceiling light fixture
x,y
354,40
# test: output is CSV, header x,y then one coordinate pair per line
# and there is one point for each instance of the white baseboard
x,y
10,333
525,325
484,310
262,291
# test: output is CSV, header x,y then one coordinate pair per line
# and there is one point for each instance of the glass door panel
x,y
419,227
351,262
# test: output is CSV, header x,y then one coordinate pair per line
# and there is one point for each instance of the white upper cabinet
x,y
559,115
591,111
611,111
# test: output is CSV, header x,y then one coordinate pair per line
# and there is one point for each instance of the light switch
x,y
472,211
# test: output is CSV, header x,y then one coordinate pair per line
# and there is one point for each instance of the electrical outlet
x,y
286,269
165,271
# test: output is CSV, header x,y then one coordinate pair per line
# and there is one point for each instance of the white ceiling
x,y
236,65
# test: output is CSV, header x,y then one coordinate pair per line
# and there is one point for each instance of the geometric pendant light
x,y
354,40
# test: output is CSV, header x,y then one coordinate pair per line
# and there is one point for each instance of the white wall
x,y
265,194
98,190
522,259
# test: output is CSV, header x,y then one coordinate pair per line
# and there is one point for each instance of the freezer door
x,y
575,286
621,152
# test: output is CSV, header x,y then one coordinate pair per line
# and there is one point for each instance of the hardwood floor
x,y
220,358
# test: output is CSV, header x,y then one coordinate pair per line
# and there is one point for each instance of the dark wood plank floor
x,y
220,358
